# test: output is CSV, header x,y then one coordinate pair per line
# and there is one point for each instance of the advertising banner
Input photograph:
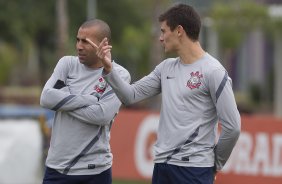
x,y
256,158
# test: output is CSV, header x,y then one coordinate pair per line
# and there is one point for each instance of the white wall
x,y
20,151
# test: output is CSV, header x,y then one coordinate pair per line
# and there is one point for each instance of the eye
x,y
84,41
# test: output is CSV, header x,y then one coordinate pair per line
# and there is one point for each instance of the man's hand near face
x,y
104,53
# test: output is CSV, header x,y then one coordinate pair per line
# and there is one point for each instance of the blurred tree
x,y
234,21
62,27
130,23
32,30
27,25
8,56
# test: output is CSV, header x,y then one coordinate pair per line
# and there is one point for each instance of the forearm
x,y
102,113
225,145
122,89
55,99
128,94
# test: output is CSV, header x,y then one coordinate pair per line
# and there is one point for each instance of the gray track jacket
x,y
85,108
195,97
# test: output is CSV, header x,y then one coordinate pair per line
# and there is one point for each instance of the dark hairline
x,y
169,18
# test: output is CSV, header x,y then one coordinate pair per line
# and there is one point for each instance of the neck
x,y
95,65
190,52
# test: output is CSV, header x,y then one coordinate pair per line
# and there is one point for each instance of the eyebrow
x,y
81,39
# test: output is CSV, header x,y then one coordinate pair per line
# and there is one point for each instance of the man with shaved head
x,y
85,107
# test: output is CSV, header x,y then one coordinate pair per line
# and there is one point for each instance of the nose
x,y
161,38
78,45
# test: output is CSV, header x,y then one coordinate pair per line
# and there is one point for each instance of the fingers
x,y
104,49
104,54
214,179
91,43
103,42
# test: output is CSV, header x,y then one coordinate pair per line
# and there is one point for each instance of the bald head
x,y
103,29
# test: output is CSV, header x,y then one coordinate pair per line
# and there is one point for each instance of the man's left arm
x,y
221,90
100,113
104,110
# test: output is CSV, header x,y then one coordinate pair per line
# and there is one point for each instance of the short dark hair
x,y
104,28
184,15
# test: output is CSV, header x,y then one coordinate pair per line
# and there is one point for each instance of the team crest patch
x,y
101,86
195,80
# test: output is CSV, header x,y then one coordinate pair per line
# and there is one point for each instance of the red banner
x,y
256,158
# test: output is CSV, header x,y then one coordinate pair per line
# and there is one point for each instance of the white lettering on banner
x,y
277,154
239,159
261,160
258,154
145,139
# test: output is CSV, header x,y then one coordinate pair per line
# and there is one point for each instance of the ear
x,y
179,30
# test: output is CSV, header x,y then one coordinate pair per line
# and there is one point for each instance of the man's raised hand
x,y
103,51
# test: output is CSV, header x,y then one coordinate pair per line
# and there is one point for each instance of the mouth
x,y
81,56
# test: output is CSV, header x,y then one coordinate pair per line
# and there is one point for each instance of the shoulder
x,y
167,63
123,72
170,61
69,60
66,63
212,65
119,68
214,70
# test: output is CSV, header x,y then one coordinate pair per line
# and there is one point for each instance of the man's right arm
x,y
127,93
61,99
56,95
146,87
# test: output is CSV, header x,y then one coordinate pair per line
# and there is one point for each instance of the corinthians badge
x,y
101,87
195,80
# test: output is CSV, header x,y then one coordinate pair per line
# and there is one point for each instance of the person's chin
x,y
82,61
167,51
